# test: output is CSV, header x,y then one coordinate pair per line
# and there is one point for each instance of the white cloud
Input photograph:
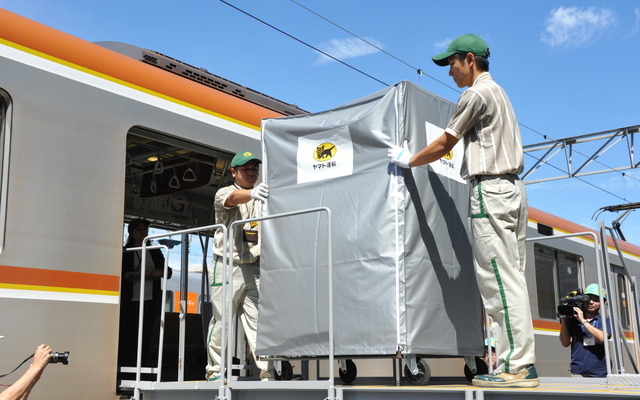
x,y
636,12
344,49
620,182
574,26
442,44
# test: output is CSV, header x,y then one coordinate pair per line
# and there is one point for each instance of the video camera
x,y
574,298
59,358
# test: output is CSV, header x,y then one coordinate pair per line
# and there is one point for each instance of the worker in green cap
x,y
240,201
486,123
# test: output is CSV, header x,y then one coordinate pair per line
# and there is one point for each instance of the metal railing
x,y
226,312
183,305
143,263
226,387
618,378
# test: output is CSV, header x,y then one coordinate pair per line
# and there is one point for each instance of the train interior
x,y
172,184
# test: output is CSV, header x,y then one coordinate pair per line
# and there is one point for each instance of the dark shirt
x,y
587,360
129,265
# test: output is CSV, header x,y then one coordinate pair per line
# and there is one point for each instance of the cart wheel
x,y
350,374
423,375
286,373
481,366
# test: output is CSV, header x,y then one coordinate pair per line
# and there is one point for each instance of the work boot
x,y
526,378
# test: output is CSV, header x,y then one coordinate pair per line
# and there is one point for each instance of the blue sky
x,y
570,68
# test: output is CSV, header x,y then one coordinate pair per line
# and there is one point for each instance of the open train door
x,y
171,183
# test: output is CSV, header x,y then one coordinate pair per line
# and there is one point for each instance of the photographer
x,y
22,387
583,331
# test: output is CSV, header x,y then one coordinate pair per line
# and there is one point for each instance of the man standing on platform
x,y
493,158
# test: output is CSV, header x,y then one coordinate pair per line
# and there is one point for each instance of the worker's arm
x,y
565,338
434,151
239,196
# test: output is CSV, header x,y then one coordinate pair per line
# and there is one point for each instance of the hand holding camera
x,y
573,300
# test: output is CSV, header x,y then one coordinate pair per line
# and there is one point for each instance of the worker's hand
x,y
260,192
577,312
399,156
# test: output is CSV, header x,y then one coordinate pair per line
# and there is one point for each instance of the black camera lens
x,y
59,358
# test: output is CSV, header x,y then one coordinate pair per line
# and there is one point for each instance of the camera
x,y
59,358
573,299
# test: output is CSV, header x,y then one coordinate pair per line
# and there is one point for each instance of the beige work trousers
x,y
499,222
246,285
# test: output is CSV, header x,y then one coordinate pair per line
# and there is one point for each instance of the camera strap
x,y
14,370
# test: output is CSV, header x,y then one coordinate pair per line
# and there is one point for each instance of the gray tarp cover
x,y
402,262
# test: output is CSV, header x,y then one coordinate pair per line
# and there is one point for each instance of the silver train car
x,y
92,136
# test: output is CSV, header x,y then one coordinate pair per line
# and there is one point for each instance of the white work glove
x,y
260,192
399,156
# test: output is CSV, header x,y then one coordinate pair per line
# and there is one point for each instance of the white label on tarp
x,y
325,155
450,164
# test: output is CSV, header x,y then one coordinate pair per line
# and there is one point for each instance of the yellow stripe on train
x,y
34,292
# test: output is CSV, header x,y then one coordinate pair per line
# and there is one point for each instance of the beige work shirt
x,y
488,124
243,252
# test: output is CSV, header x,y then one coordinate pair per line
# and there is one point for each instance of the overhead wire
x,y
420,72
305,43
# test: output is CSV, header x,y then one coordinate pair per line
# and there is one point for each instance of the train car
x,y
91,138
94,135
561,257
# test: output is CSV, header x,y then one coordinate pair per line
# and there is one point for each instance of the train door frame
x,y
164,215
5,154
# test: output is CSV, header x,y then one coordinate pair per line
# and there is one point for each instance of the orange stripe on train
x,y
554,326
55,278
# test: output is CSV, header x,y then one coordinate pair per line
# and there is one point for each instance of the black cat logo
x,y
325,152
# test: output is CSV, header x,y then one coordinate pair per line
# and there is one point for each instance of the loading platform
x,y
438,388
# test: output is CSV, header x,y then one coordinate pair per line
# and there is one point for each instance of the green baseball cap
x,y
468,43
595,290
244,157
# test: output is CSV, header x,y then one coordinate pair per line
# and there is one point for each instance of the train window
x,y
5,113
567,272
623,294
556,275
